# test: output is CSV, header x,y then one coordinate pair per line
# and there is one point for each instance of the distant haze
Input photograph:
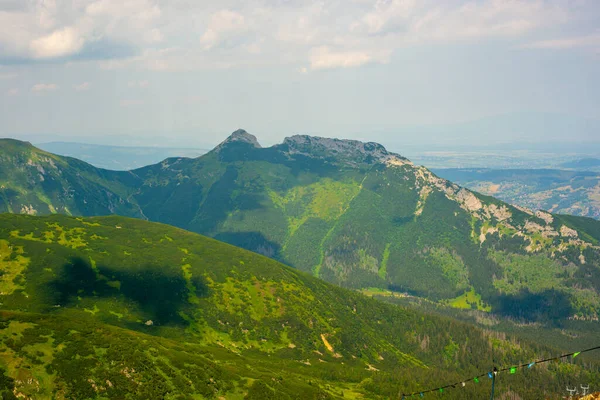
x,y
521,131
120,158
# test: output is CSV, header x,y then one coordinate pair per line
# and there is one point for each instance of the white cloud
x,y
62,42
324,58
492,18
222,25
155,36
82,87
589,41
430,21
138,10
186,35
44,87
49,29
387,14
12,92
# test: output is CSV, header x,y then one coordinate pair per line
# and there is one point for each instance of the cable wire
x,y
492,374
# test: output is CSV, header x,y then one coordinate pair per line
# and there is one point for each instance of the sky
x,y
185,72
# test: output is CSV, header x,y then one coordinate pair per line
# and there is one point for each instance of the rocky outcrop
x,y
565,231
351,152
239,136
547,217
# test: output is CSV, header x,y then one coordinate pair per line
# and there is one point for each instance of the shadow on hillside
x,y
399,221
160,295
547,306
253,241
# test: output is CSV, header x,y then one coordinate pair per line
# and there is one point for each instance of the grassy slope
x,y
78,296
371,225
37,182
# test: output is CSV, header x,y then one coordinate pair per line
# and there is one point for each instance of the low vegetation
x,y
110,307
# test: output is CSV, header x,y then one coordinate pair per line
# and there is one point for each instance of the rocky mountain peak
x,y
240,136
341,149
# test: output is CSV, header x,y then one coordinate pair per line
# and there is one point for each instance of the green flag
x,y
476,380
513,370
576,354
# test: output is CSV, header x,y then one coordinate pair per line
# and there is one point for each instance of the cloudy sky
x,y
196,70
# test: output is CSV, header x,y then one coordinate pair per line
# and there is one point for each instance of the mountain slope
x,y
33,181
110,307
559,191
359,216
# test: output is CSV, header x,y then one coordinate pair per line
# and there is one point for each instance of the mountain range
x,y
348,212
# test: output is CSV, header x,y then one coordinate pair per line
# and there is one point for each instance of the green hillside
x,y
110,307
358,216
33,181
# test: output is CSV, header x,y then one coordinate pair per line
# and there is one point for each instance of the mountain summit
x,y
351,151
239,136
333,150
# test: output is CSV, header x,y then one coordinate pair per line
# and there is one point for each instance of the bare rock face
x,y
469,200
347,151
28,209
545,230
299,142
501,213
547,217
565,231
239,136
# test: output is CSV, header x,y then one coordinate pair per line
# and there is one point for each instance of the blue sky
x,y
190,72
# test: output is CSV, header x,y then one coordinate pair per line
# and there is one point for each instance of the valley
x,y
557,191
